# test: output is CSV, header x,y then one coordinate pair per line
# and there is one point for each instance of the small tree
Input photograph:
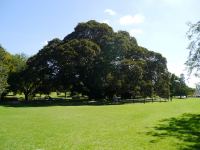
x,y
23,81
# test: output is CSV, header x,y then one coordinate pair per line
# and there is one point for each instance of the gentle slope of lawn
x,y
131,126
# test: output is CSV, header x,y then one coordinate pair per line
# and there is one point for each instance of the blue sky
x,y
159,25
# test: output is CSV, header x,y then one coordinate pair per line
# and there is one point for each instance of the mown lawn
x,y
150,126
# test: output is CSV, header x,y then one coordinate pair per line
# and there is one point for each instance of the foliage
x,y
5,66
3,78
23,81
20,79
178,86
94,61
193,61
98,62
18,62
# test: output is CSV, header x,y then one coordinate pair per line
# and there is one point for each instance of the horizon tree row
x,y
94,61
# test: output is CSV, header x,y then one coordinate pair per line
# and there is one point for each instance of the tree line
x,y
93,61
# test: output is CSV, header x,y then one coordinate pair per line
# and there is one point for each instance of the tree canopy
x,y
93,61
97,62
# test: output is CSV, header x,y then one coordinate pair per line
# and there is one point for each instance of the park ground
x,y
155,126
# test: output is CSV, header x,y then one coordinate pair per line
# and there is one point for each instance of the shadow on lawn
x,y
56,102
14,102
185,128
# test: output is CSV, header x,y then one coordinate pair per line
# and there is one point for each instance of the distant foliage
x,y
178,86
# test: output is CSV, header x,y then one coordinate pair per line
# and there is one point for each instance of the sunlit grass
x,y
91,127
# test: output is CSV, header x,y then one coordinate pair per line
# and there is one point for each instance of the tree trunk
x,y
26,97
2,96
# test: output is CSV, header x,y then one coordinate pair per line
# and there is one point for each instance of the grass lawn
x,y
164,126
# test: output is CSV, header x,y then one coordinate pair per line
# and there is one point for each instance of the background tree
x,y
3,79
23,82
21,79
18,64
193,61
5,68
178,86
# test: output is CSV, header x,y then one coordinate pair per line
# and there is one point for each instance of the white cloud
x,y
110,12
129,20
134,32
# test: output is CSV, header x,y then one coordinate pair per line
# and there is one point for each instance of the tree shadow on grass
x,y
57,102
14,102
185,128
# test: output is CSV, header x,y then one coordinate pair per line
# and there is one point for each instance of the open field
x,y
169,125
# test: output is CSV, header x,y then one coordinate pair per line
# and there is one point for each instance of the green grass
x,y
131,126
